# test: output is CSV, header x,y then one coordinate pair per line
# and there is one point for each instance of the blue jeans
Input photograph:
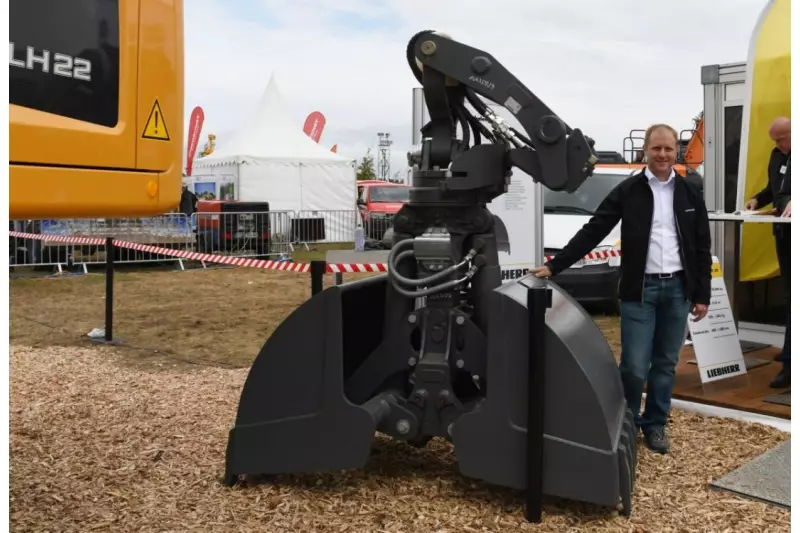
x,y
653,333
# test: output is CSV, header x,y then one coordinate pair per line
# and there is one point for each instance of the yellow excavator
x,y
95,108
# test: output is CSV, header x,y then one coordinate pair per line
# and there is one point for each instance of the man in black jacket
x,y
188,205
665,274
779,193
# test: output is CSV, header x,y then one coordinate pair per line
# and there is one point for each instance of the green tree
x,y
366,169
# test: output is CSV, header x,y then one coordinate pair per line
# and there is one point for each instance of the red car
x,y
378,202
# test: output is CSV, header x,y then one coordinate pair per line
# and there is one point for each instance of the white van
x,y
590,281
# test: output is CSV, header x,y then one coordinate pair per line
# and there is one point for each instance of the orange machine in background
x,y
690,145
95,108
689,158
693,154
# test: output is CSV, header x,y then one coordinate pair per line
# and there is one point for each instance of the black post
x,y
539,300
110,250
317,276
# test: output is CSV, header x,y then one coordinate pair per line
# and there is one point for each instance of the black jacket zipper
x,y
681,244
649,236
680,239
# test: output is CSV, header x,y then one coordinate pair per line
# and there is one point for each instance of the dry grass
x,y
101,443
219,316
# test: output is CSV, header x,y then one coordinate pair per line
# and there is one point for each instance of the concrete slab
x,y
781,398
749,346
767,478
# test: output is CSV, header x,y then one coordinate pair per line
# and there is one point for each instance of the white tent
x,y
273,160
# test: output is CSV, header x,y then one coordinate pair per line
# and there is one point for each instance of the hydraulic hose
x,y
400,246
402,250
399,251
433,290
424,281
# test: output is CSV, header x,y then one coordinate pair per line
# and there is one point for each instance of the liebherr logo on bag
x,y
57,63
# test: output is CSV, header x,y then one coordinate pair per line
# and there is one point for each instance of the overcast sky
x,y
604,66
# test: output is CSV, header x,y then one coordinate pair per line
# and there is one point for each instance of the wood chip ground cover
x,y
101,444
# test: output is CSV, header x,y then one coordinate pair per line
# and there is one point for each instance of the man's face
x,y
783,139
661,150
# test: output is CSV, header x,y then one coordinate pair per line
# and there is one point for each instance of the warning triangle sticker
x,y
156,128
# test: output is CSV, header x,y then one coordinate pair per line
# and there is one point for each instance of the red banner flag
x,y
315,123
195,127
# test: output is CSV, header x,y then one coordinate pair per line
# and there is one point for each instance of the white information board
x,y
516,209
714,338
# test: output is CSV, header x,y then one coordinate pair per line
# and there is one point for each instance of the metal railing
x,y
318,226
376,226
262,235
34,252
171,232
245,234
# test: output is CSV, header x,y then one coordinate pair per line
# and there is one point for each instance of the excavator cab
x,y
438,346
95,108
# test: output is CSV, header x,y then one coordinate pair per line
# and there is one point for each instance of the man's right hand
x,y
751,205
541,272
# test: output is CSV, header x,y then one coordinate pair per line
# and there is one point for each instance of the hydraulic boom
x,y
438,347
451,74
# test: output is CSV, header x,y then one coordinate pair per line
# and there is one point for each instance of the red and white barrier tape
x,y
183,254
269,264
602,254
366,267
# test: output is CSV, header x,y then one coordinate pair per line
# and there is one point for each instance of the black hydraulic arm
x,y
559,157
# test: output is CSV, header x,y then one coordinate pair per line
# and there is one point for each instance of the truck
x,y
378,201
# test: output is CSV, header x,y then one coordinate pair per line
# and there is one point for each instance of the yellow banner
x,y
770,97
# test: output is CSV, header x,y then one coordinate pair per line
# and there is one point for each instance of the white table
x,y
732,274
762,219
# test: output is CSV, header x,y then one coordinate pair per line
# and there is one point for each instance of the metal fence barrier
x,y
376,226
246,234
33,252
315,227
172,232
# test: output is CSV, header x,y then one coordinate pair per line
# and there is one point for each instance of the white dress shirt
x,y
663,255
